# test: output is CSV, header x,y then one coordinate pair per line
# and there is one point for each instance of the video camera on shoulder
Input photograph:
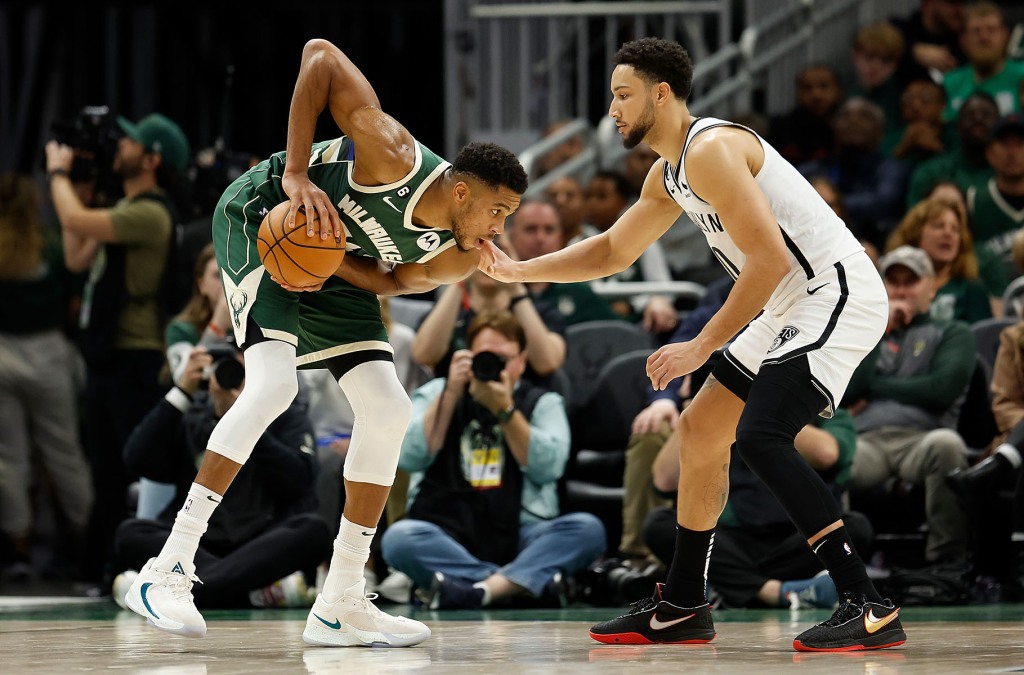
x,y
226,368
487,366
94,134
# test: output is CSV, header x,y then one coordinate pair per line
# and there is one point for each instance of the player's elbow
x,y
317,47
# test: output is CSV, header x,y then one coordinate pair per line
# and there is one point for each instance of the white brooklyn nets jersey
x,y
815,236
831,307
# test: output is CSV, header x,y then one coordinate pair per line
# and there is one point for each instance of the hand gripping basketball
x,y
293,259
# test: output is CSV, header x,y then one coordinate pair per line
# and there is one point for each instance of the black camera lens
x,y
487,366
229,372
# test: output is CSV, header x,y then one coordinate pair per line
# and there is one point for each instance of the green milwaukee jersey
x,y
339,319
377,219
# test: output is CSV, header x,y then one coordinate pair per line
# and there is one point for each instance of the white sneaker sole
x,y
133,600
322,636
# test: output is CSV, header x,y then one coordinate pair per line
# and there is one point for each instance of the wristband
x,y
518,298
215,329
57,172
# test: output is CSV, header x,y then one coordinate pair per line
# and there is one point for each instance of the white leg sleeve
x,y
270,386
382,413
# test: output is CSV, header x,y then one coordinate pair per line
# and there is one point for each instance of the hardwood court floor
x,y
99,638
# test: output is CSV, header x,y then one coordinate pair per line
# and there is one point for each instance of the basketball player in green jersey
x,y
412,222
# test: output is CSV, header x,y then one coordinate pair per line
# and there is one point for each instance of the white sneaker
x,y
164,597
356,622
122,582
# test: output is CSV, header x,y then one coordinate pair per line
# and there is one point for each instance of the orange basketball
x,y
293,257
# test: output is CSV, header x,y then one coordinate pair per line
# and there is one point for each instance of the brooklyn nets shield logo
x,y
784,336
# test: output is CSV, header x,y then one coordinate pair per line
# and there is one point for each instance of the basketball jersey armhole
x,y
723,123
372,189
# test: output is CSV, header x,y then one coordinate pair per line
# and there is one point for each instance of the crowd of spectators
x,y
921,154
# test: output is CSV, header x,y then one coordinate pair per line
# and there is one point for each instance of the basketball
x,y
293,257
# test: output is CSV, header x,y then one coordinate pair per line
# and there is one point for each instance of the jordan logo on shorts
x,y
784,336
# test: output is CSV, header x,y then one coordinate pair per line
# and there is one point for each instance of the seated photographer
x,y
486,449
266,530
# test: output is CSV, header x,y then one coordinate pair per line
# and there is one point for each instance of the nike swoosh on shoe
x,y
873,624
662,625
336,625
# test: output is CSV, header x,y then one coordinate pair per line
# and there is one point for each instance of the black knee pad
x,y
781,402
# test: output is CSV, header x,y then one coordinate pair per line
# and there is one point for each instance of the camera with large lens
x,y
93,134
226,368
487,366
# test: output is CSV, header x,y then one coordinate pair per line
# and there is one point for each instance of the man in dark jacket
x,y
267,528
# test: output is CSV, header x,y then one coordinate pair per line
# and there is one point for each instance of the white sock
x,y
189,526
351,551
486,600
1011,454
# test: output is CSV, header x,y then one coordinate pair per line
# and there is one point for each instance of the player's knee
x,y
394,414
757,443
696,427
270,379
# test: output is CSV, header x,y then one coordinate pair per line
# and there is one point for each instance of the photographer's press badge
x,y
483,459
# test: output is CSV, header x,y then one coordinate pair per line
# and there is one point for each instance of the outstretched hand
x,y
321,216
496,264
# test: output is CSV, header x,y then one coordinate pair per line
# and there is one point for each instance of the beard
x,y
638,130
127,169
460,236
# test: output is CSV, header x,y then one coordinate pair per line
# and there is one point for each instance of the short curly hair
x,y
656,60
492,164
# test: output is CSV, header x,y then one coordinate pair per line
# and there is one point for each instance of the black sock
x,y
836,552
686,585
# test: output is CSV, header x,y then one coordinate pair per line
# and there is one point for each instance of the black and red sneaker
x,y
656,621
857,625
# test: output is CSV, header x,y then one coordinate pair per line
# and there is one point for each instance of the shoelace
x,y
180,585
849,608
642,605
367,602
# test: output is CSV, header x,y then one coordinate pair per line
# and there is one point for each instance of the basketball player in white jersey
x,y
815,306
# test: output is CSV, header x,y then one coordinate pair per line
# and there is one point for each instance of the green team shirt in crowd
x,y
995,222
377,219
947,166
961,299
1004,87
577,302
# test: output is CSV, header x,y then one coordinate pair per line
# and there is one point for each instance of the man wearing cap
x,y
997,206
125,249
905,397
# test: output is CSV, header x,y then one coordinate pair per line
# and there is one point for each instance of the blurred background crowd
x,y
116,355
